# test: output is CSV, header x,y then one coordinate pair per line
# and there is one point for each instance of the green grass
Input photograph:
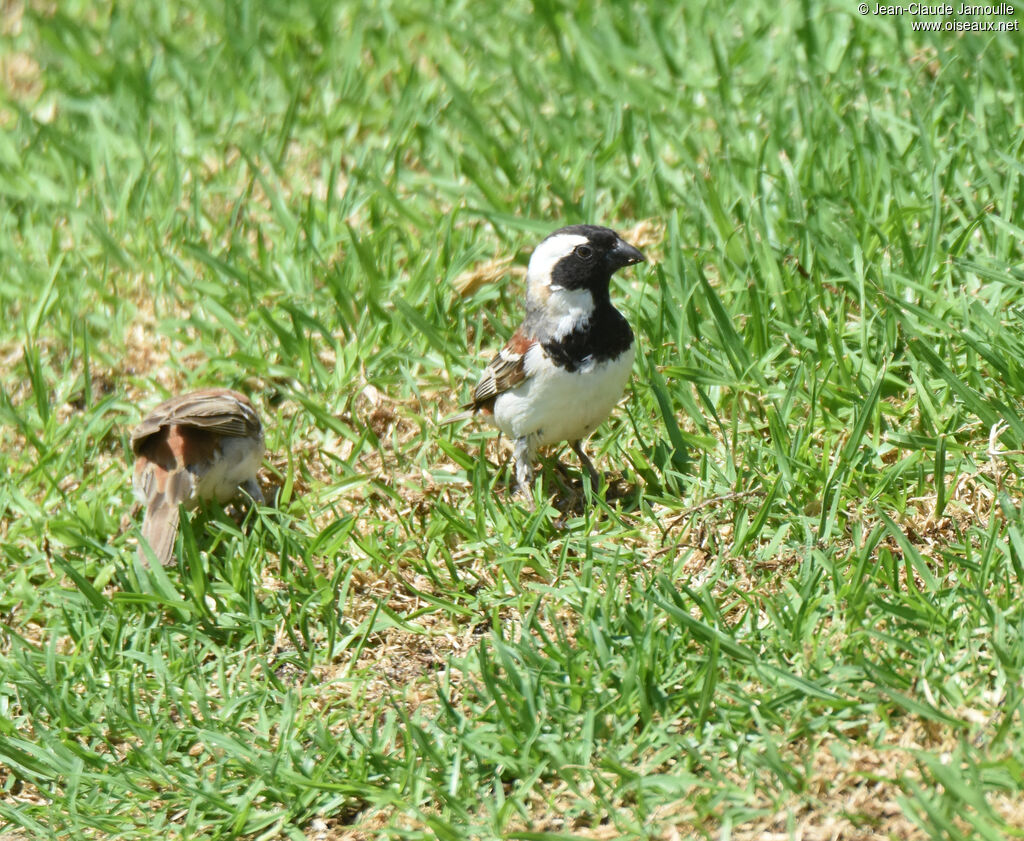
x,y
800,614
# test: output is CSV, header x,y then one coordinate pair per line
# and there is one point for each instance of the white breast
x,y
239,462
554,405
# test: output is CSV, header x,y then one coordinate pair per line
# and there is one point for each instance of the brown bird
x,y
198,446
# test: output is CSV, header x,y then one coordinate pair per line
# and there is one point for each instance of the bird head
x,y
576,260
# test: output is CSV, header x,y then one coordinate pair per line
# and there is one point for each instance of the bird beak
x,y
624,254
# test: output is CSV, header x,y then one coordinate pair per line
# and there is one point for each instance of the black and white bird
x,y
567,364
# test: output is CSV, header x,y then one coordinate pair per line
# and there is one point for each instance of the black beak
x,y
624,254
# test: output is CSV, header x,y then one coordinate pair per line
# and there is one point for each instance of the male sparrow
x,y
566,367
203,445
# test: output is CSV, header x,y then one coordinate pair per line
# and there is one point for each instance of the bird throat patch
x,y
605,335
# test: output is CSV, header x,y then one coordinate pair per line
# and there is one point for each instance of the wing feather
x,y
217,410
504,372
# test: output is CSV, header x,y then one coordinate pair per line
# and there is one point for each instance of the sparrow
x,y
567,364
198,446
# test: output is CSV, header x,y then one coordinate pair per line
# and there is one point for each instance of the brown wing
x,y
505,371
217,410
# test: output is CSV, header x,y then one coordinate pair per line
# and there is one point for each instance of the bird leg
x,y
595,477
252,487
249,495
524,470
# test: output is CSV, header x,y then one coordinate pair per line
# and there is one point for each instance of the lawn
x,y
796,609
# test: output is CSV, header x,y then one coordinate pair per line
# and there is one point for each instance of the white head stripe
x,y
547,254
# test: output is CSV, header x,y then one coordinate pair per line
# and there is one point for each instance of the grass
x,y
798,615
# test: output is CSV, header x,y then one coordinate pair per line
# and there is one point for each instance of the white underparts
x,y
239,462
553,404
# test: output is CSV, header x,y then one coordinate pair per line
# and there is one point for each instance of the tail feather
x,y
467,412
159,528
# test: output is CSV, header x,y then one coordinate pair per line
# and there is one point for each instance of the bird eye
x,y
584,252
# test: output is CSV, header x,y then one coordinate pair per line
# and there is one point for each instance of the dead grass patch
x,y
490,271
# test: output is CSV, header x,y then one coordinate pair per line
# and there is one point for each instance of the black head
x,y
580,257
